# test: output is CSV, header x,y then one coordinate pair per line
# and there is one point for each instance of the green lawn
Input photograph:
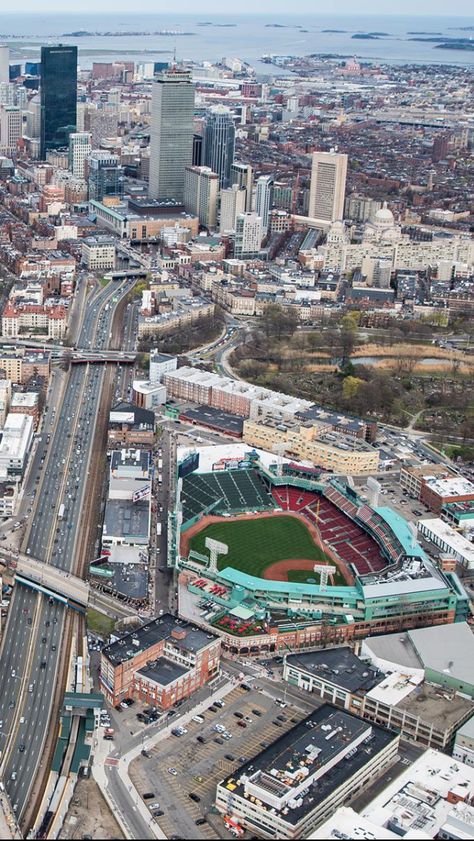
x,y
255,544
303,576
99,623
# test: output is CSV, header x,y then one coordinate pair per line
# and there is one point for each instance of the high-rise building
x,y
242,174
219,143
263,199
248,236
106,176
4,64
101,122
197,149
201,188
10,129
171,148
233,202
58,96
439,149
80,148
328,186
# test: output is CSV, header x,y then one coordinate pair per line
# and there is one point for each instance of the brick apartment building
x,y
160,663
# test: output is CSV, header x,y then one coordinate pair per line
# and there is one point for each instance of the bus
x,y
158,528
160,464
61,512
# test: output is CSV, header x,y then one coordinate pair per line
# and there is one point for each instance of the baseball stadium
x,y
272,554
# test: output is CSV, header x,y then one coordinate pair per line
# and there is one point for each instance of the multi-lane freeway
x,y
34,644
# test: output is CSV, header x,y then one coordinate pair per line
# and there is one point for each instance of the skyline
x,y
425,8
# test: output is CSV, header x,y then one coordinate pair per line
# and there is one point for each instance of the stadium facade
x,y
395,585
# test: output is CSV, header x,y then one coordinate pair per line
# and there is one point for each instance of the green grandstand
x,y
224,492
255,544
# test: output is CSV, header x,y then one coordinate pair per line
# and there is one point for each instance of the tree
x,y
350,387
347,340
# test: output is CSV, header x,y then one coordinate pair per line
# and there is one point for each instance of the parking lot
x,y
199,765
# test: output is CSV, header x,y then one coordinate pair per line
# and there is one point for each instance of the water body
x,y
429,361
246,37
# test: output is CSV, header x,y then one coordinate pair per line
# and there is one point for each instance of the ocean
x,y
245,37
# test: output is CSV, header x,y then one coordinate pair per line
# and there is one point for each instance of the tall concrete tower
x,y
328,186
171,147
4,64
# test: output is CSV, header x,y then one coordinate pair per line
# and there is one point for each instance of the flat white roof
x,y
455,486
455,541
345,823
418,796
395,687
209,456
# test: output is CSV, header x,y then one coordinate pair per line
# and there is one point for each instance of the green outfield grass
x,y
255,544
303,576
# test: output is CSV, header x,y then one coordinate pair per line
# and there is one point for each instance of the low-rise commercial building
x,y
148,395
400,700
98,252
464,743
433,796
413,477
448,541
15,444
314,442
438,492
160,663
130,426
295,784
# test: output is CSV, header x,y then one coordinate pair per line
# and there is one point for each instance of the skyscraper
x,y
232,204
58,96
219,143
79,150
105,175
4,64
242,174
10,129
201,186
171,148
248,236
263,199
328,186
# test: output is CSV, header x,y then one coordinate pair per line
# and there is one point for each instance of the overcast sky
x,y
403,7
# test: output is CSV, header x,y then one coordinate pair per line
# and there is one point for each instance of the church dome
x,y
384,216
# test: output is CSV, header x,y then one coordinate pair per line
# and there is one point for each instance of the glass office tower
x,y
58,96
219,143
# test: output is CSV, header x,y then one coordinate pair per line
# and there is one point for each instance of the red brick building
x,y
438,492
161,663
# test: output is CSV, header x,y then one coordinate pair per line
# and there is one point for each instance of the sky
x,y
304,7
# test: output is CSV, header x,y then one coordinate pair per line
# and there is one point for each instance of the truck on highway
x,y
160,479
61,512
158,528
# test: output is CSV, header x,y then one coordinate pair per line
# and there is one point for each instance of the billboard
x,y
142,493
189,465
231,464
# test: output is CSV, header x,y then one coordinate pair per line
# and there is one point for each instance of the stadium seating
x,y
224,491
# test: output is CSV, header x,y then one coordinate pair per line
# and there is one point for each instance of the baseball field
x,y
258,544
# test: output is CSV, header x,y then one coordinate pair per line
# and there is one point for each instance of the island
x,y
338,31
365,36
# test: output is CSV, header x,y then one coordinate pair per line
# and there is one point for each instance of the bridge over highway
x,y
52,581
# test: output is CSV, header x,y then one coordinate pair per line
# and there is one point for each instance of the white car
x,y
198,718
173,771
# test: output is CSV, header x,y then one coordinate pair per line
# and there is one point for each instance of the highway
x,y
34,642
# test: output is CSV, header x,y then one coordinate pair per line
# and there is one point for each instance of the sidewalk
x,y
134,802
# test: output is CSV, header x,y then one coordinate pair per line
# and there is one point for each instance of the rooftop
x,y
188,638
127,520
215,418
456,486
446,648
337,665
417,798
163,671
345,823
301,768
455,541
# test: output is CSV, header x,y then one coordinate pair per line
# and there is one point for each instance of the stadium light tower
x,y
216,548
324,571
